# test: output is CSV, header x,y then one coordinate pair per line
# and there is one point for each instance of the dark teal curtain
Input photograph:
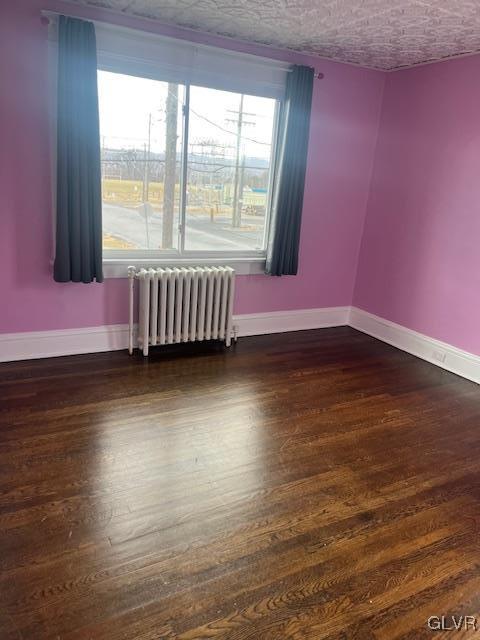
x,y
290,167
78,254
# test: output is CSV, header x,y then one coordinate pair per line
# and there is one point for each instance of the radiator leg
x,y
131,283
231,290
144,309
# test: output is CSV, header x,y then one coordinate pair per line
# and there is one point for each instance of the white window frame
x,y
115,261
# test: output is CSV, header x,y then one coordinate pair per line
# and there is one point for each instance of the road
x,y
201,234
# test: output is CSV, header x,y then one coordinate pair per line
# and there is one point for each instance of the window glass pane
x,y
228,177
140,136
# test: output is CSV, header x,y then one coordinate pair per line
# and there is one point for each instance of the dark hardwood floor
x,y
300,486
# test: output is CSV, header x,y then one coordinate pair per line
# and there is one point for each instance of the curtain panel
x,y
291,164
78,254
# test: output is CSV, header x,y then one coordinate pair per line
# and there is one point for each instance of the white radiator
x,y
182,305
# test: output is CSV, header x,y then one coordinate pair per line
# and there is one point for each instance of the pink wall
x,y
346,108
419,264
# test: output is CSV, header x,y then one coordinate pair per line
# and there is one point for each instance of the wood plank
x,y
310,485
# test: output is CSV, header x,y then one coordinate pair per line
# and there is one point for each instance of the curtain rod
x,y
46,16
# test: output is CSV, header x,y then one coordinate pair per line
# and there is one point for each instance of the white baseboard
x,y
443,355
255,324
63,342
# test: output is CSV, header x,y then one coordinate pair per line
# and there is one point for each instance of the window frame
x,y
116,261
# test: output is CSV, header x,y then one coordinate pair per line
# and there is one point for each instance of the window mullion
x,y
183,181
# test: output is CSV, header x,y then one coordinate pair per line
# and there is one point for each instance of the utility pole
x,y
171,118
211,154
237,194
146,157
240,188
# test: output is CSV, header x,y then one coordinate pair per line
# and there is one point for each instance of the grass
x,y
130,192
112,242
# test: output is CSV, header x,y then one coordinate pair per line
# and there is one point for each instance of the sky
x,y
125,103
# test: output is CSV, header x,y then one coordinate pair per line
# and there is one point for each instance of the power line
x,y
233,133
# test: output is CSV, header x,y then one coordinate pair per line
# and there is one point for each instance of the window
x,y
186,170
140,141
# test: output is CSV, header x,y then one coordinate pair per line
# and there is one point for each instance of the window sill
x,y
117,268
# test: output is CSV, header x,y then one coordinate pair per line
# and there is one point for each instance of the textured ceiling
x,y
385,34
